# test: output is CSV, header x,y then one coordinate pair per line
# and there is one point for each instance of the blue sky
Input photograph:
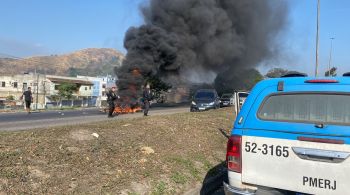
x,y
301,35
38,27
42,27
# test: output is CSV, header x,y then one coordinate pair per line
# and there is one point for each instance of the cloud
x,y
21,48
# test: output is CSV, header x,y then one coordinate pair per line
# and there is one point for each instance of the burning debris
x,y
197,41
126,108
129,101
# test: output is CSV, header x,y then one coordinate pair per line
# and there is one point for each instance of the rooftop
x,y
62,79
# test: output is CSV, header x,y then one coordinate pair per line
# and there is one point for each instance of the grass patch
x,y
179,178
207,165
68,160
132,193
9,154
160,188
188,165
8,174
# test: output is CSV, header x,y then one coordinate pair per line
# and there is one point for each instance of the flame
x,y
136,72
126,109
129,104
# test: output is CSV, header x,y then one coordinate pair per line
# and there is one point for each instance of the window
x,y
3,84
25,86
103,86
90,87
205,95
309,108
86,88
15,84
226,96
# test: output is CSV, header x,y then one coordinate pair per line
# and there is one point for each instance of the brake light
x,y
321,140
322,81
233,155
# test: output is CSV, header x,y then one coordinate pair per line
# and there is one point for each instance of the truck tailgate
x,y
306,167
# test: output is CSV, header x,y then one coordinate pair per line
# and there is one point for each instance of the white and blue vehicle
x,y
292,136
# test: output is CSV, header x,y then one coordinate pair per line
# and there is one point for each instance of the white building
x,y
82,96
91,91
100,87
14,85
44,87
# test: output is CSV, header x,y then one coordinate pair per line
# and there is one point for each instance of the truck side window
x,y
310,108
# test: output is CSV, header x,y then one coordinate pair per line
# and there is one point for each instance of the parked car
x,y
239,98
292,136
226,99
205,99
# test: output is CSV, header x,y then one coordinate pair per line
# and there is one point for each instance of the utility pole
x,y
44,90
37,90
330,57
317,32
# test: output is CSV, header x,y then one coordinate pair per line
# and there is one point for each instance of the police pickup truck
x,y
292,136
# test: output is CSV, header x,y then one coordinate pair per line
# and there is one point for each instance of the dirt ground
x,y
150,155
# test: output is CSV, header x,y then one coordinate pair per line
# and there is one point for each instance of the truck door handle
x,y
320,155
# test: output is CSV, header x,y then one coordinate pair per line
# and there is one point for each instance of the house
x,y
82,96
100,87
14,85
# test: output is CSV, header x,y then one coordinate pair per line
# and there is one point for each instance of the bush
x,y
10,98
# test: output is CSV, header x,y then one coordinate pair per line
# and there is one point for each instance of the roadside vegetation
x,y
151,155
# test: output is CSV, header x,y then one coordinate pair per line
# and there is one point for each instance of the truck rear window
x,y
309,108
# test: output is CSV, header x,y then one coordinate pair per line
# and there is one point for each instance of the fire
x,y
136,73
129,103
126,109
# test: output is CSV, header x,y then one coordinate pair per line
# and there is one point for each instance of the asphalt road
x,y
24,121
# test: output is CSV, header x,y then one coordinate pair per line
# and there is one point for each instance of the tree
x,y
10,98
73,72
276,72
252,77
332,72
66,90
158,87
238,80
157,84
55,98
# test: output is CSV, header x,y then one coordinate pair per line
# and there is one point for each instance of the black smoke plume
x,y
201,41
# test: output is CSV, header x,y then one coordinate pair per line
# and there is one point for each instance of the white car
x,y
239,98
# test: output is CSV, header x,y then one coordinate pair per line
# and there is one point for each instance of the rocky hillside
x,y
91,62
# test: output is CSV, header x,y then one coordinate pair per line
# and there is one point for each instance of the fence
x,y
6,106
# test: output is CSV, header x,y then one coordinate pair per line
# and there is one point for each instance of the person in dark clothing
x,y
111,98
147,97
28,99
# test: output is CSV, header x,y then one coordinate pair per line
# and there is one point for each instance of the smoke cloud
x,y
200,41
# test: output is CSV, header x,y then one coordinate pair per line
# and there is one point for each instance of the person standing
x,y
28,99
147,97
111,98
